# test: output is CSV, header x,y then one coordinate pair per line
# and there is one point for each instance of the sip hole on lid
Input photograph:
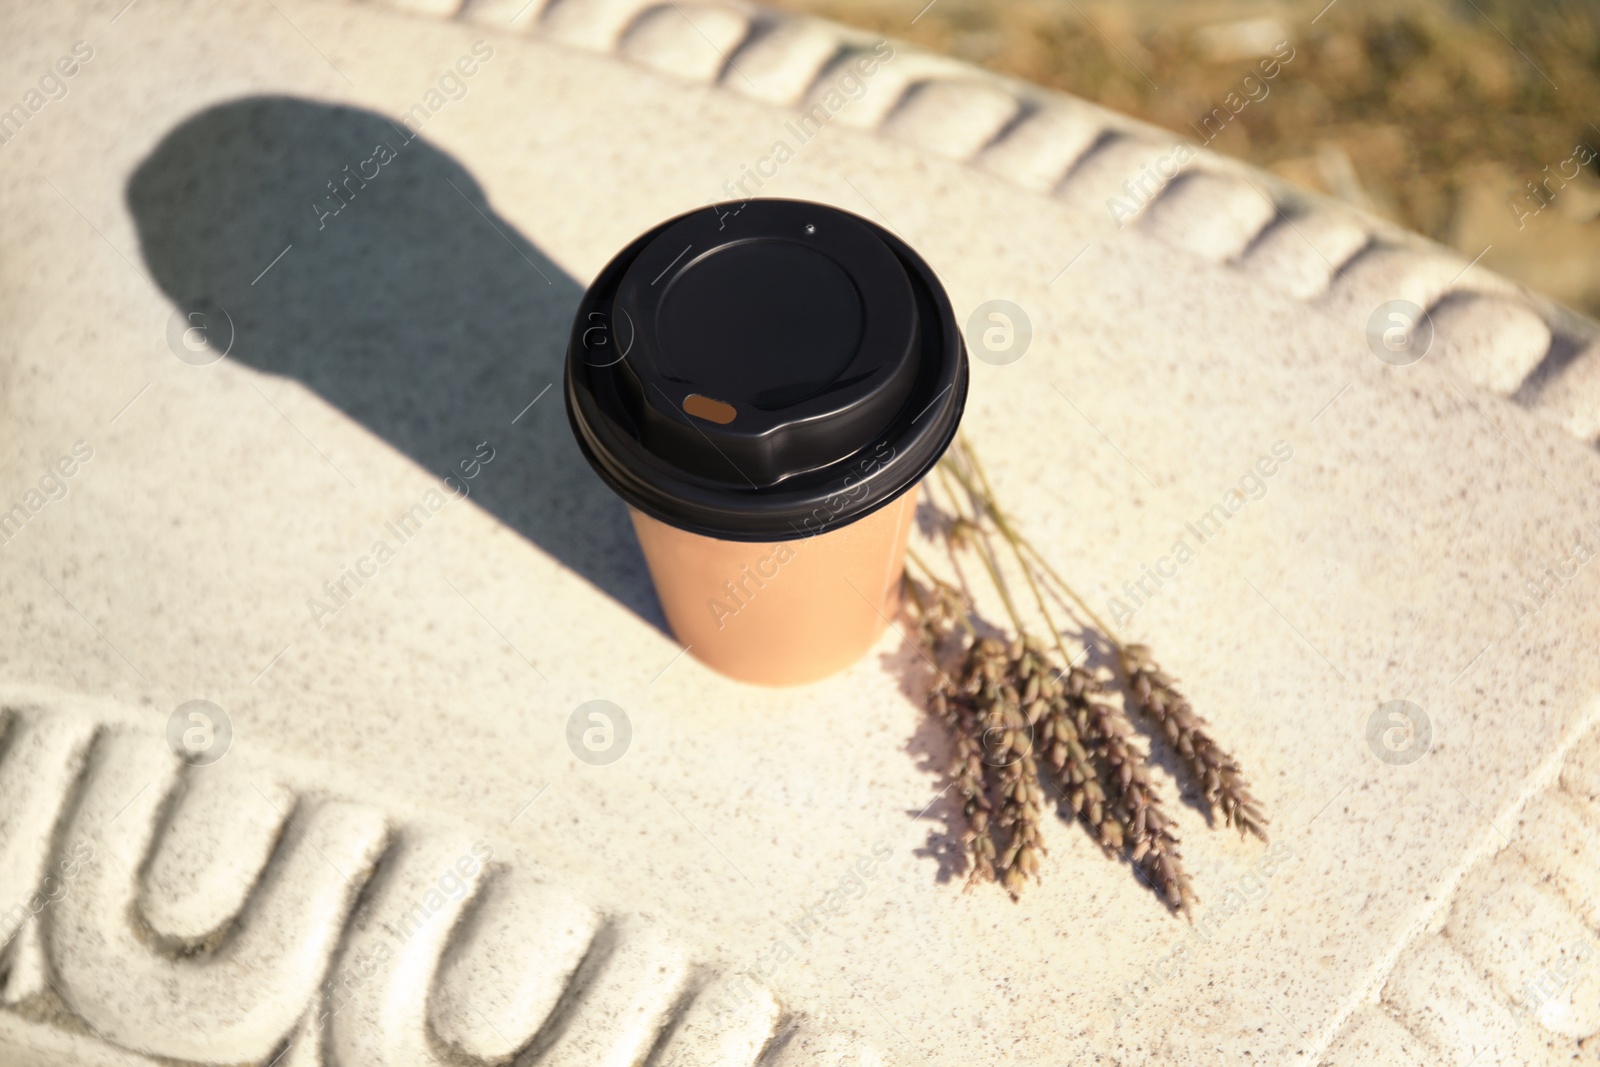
x,y
703,407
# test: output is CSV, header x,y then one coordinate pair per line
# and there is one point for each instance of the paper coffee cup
x,y
765,383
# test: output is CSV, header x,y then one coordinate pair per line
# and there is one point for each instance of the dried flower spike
x,y
1012,719
967,774
1150,842
939,611
1217,773
1068,755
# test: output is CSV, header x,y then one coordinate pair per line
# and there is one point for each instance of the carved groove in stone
x,y
1383,272
1492,341
516,15
1560,836
619,1002
883,89
1514,976
597,25
221,831
1213,216
689,41
952,119
1517,931
1580,772
41,759
26,971
1304,250
1112,169
1437,994
800,1049
375,1004
1373,1037
512,957
706,1034
238,1002
1039,150
1569,395
781,59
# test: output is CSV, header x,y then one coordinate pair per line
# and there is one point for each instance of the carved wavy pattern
x,y
1310,247
213,915
781,59
1513,974
118,978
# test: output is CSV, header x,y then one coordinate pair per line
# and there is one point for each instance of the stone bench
x,y
393,856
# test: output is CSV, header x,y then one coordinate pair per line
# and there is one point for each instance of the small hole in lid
x,y
810,228
703,407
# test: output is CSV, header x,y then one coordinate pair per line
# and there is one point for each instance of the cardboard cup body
x,y
786,612
802,366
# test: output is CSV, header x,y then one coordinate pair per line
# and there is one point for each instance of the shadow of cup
x,y
397,295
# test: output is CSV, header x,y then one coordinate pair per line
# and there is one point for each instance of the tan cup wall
x,y
781,613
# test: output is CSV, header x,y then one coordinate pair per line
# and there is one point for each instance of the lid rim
x,y
784,519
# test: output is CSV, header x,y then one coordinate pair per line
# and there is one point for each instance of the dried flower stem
x,y
962,452
1022,545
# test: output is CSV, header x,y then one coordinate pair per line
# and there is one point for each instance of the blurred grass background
x,y
1443,115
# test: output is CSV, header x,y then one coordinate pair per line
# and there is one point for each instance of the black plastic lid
x,y
764,370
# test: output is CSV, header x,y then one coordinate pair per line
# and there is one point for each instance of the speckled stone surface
x,y
380,846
